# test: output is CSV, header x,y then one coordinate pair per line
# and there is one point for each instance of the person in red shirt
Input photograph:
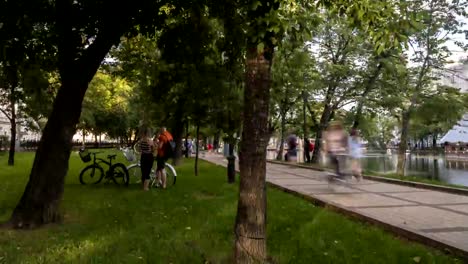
x,y
209,147
164,139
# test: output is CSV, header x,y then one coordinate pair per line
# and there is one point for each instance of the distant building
x,y
455,141
458,134
21,132
4,125
455,75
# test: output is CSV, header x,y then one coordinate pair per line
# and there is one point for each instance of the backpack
x,y
169,149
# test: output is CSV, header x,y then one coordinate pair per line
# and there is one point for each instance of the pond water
x,y
428,167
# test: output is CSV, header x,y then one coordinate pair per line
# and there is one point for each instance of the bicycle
x,y
134,170
117,172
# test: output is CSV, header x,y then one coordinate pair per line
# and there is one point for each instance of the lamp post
x,y
231,169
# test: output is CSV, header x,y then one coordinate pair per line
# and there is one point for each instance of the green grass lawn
x,y
190,223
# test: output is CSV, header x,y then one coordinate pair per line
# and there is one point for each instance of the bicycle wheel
x,y
136,148
92,174
171,175
134,174
119,174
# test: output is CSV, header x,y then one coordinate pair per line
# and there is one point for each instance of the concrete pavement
x,y
431,217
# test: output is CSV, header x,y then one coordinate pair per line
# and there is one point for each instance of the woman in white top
x,y
355,153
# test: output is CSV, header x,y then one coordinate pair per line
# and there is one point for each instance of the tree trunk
x,y
231,170
216,142
84,138
178,138
250,228
178,131
369,85
12,75
283,128
40,201
95,141
304,127
179,145
197,144
11,154
434,141
403,144
327,111
186,139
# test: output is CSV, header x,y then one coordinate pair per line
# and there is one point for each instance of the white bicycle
x,y
134,169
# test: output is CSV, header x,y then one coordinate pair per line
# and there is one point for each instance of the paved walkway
x,y
432,217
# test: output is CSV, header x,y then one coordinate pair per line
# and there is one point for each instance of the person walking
x,y
336,141
291,154
355,153
146,159
163,154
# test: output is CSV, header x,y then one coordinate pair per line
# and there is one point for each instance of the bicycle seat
x,y
111,156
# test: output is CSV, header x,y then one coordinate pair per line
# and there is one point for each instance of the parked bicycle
x,y
134,170
94,173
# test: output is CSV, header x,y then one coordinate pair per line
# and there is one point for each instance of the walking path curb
x,y
396,228
420,185
400,231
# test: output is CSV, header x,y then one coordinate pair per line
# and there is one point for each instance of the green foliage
x,y
106,108
438,112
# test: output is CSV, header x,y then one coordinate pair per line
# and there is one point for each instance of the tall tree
x,y
288,73
264,28
84,32
341,52
436,20
21,47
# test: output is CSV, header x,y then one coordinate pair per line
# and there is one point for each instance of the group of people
x,y
338,146
154,148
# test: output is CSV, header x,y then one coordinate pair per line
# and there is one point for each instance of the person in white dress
x,y
355,153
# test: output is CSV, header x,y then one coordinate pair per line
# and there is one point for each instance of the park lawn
x,y
190,223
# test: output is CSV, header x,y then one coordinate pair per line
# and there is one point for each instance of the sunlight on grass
x,y
189,223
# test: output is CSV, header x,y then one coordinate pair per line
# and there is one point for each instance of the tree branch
x,y
6,114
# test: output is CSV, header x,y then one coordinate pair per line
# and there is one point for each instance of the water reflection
x,y
429,167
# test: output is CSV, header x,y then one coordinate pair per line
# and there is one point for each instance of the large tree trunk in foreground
x,y
250,228
40,201
403,144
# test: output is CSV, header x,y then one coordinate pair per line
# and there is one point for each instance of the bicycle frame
x,y
98,161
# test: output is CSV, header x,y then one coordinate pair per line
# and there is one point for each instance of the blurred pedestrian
x,y
355,153
291,154
336,144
